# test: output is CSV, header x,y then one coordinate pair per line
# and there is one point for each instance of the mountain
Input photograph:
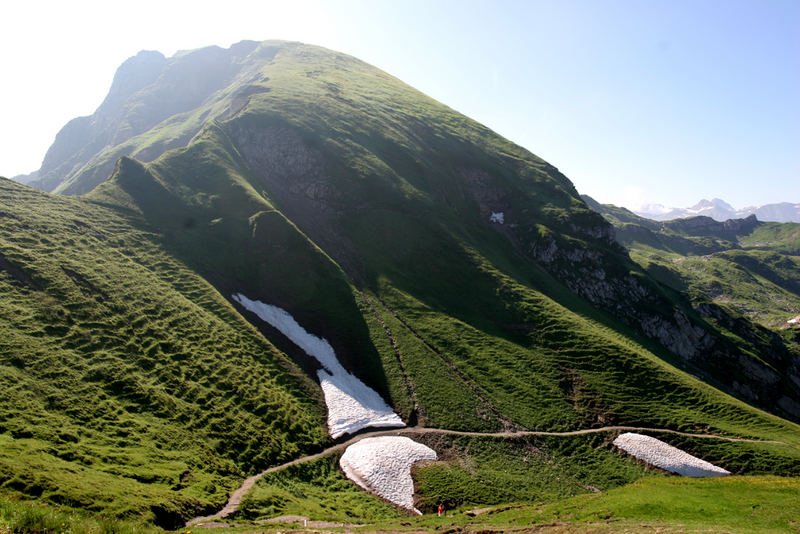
x,y
720,210
780,212
166,333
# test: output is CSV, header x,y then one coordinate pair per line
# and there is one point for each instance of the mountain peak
x,y
713,203
135,73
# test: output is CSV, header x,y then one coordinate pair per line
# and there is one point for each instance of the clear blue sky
x,y
635,101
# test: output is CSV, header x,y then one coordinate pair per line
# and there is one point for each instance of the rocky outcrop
x,y
679,335
700,226
598,270
280,158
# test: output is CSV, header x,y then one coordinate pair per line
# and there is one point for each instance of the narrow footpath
x,y
236,498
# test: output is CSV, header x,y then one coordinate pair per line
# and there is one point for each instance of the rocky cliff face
x,y
604,275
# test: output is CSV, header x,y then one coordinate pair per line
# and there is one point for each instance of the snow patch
x,y
656,452
795,320
352,405
497,217
383,466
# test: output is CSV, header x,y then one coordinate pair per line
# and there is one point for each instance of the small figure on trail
x,y
441,510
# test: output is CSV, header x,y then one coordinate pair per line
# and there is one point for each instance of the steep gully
x,y
449,366
236,497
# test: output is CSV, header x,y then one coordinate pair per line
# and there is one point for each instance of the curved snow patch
x,y
656,452
352,405
383,466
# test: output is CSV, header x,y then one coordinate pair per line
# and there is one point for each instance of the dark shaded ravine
x,y
236,497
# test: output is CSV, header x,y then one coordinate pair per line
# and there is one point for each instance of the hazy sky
x,y
635,101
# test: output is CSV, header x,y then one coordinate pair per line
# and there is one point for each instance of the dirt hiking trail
x,y
236,497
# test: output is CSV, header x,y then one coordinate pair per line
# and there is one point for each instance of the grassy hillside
x,y
576,480
737,504
318,152
131,386
481,349
663,504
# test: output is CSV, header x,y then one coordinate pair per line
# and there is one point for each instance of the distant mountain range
x,y
720,210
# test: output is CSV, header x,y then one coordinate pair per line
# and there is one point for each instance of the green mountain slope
x,y
130,385
456,273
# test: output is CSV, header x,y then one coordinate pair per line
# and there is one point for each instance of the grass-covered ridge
x,y
332,167
131,386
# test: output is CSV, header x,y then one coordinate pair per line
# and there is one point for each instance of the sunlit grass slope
x,y
130,385
673,504
479,342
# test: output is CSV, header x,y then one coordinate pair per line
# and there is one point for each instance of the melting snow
x,y
352,405
497,217
667,457
383,466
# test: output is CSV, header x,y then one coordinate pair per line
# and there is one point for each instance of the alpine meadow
x,y
274,288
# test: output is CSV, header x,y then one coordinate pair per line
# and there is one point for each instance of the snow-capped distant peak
x,y
720,210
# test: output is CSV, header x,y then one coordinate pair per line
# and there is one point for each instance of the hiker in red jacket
x,y
441,510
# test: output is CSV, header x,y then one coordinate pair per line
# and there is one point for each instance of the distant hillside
x,y
720,210
26,178
745,265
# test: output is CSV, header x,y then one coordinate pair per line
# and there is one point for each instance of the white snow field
x,y
497,217
656,452
383,466
352,405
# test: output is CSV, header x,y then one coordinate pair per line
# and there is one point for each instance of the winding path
x,y
236,498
